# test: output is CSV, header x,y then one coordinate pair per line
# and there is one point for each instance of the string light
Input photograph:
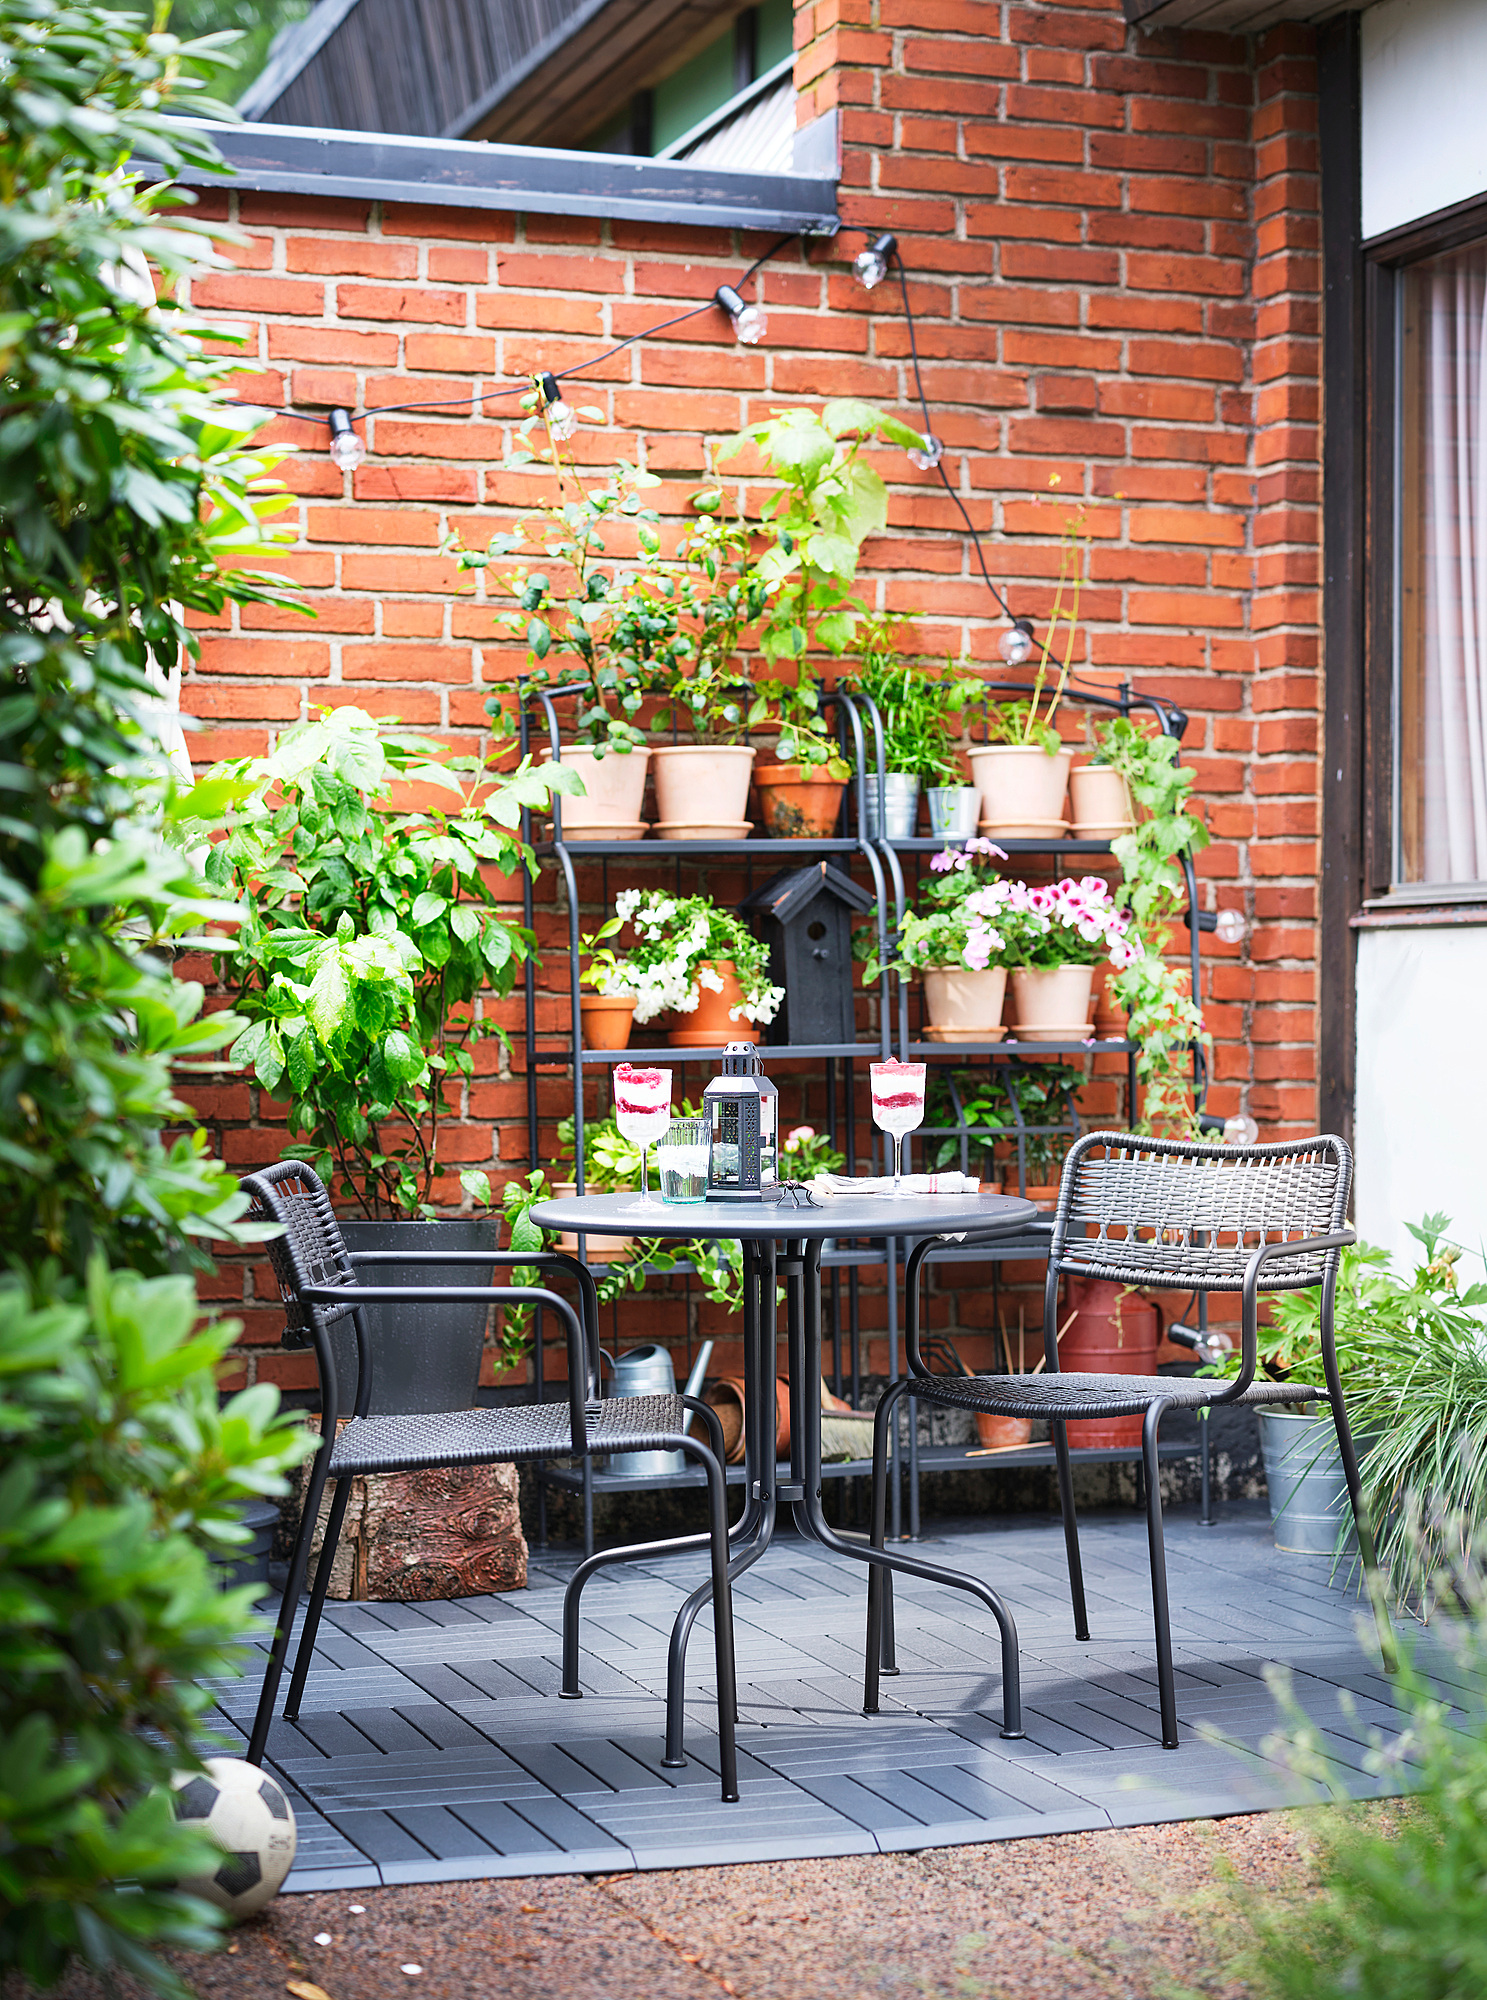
x,y
1231,927
750,323
347,449
929,454
1240,1130
1017,642
560,417
872,265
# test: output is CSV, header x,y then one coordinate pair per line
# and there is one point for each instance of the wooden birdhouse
x,y
806,920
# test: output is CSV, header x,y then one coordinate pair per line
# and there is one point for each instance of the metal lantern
x,y
742,1108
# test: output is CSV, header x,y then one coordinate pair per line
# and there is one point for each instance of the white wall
x,y
1424,108
1420,1113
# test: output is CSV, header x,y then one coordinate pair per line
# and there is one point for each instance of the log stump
x,y
417,1537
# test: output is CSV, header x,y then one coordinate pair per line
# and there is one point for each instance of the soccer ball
x,y
251,1820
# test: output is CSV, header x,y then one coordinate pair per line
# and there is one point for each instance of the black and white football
x,y
250,1819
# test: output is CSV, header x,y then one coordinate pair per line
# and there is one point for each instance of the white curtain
x,y
1453,782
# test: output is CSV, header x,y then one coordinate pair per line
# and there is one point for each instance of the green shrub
x,y
125,498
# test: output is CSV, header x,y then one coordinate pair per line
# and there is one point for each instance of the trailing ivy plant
x,y
1165,1020
371,935
128,504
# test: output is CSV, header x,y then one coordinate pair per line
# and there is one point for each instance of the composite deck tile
x,y
432,1745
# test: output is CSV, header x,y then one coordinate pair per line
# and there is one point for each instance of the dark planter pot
x,y
424,1357
247,1562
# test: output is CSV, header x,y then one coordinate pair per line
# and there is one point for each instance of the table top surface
x,y
837,1215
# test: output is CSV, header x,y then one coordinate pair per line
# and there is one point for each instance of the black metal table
x,y
782,1240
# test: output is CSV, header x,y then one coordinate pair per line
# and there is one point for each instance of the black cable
x,y
520,388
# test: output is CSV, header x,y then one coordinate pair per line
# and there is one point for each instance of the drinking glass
x,y
642,1110
898,1106
681,1161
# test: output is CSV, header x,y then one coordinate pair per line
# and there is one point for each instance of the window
x,y
1440,595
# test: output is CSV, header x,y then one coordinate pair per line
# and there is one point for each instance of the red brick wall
x,y
1113,242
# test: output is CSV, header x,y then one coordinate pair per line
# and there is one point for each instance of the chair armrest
x,y
1303,1246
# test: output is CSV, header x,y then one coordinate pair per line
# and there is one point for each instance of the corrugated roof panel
x,y
758,138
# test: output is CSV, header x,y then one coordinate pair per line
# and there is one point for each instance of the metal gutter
x,y
460,173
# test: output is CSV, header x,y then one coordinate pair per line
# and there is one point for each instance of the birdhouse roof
x,y
785,895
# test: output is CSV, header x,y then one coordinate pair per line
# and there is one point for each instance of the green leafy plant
x,y
679,940
129,507
1165,1020
371,935
922,711
962,1097
805,1152
612,629
1398,1915
1020,721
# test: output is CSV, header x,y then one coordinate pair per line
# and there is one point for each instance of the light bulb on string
x,y
562,421
928,454
872,265
750,323
1231,927
346,449
1016,643
1240,1130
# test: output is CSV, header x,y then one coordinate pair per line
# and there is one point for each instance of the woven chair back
x,y
1164,1212
311,1250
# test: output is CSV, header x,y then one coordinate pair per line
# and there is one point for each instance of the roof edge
x,y
461,173
300,46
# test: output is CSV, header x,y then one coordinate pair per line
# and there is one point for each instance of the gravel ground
x,y
1138,1915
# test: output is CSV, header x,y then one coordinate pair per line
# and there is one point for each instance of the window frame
x,y
1385,262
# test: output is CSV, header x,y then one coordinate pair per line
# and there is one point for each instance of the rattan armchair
x,y
1174,1216
320,1287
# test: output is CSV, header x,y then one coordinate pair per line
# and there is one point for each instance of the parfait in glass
x,y
642,1110
898,1105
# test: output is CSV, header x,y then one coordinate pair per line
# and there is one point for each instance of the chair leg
x,y
1372,1575
1060,1432
328,1546
879,1656
294,1584
720,1591
1166,1679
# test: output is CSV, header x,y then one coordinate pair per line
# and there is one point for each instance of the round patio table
x,y
782,1238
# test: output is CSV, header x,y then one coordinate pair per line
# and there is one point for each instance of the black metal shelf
x,y
921,843
774,1051
637,848
1115,1045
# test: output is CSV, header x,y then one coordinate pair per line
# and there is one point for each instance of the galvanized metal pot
x,y
645,1371
954,811
893,815
1303,1470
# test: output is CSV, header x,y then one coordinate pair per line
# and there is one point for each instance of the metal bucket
x,y
893,816
1308,1493
954,811
645,1371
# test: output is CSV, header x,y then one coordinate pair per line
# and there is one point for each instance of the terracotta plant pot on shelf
x,y
1022,789
607,1019
1002,1433
1110,1016
710,1025
963,1004
797,804
1115,1332
1100,803
1052,1003
614,786
702,784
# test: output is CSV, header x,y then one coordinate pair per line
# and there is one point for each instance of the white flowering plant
x,y
680,940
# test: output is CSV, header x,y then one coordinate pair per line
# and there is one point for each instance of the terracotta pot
x,y
1100,802
795,804
607,1019
1115,1332
1022,788
1000,1432
709,1025
702,783
1110,1016
602,1249
726,1396
613,788
955,997
1045,1193
1053,997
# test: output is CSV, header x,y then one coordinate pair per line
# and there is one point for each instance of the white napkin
x,y
950,1183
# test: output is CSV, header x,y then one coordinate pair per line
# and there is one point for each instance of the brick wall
x,y
1113,242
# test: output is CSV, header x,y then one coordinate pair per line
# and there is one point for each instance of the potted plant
x,y
369,938
951,945
692,958
922,714
608,1012
1023,769
1099,791
605,631
825,504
